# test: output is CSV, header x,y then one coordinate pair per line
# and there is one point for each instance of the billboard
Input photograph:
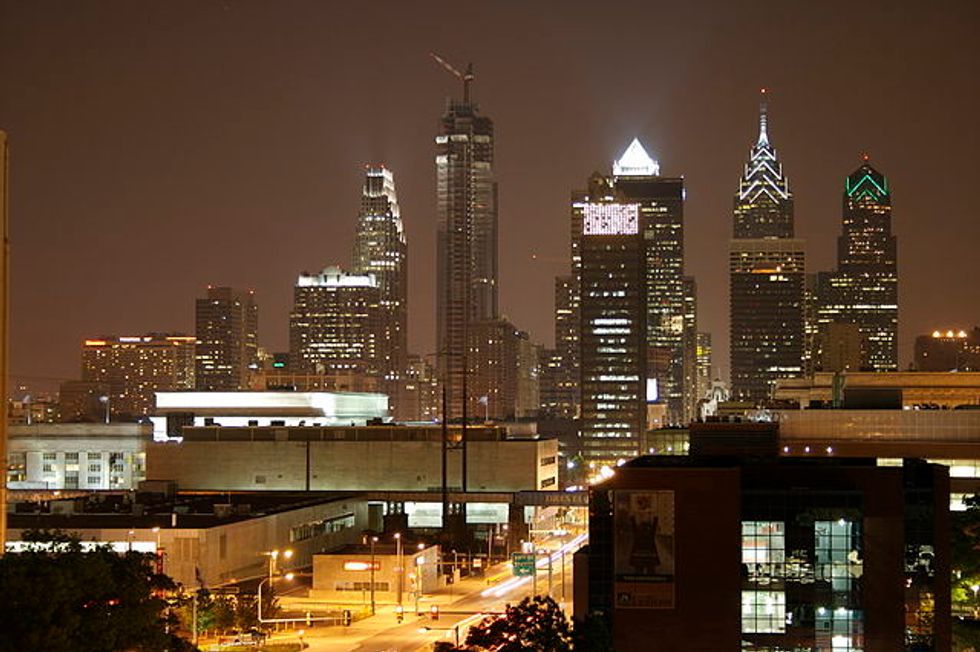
x,y
643,555
610,219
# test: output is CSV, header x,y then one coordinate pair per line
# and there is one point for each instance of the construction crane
x,y
466,77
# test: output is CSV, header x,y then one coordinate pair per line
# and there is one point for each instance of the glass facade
x,y
802,568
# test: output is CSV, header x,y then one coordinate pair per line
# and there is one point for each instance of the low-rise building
x,y
67,456
206,540
352,458
914,388
345,575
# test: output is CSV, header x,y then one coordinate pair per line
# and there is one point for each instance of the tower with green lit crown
x,y
766,276
864,289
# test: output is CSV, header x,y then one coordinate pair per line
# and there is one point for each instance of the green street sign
x,y
523,564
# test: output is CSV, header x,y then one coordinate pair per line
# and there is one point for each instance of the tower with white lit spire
x,y
766,274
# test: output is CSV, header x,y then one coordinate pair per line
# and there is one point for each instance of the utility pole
x,y
374,540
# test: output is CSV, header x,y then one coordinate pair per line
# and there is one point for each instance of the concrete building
x,y
422,395
175,410
913,388
528,400
87,456
345,575
371,458
722,552
207,541
838,347
137,367
226,354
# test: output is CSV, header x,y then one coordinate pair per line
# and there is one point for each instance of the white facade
x,y
86,456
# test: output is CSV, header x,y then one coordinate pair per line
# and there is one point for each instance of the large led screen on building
x,y
643,555
610,219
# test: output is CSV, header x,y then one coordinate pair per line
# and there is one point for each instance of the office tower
x,y
948,350
227,340
82,401
422,397
493,369
703,366
811,326
528,376
864,289
380,249
690,357
565,396
136,367
550,397
335,325
767,277
636,180
838,347
466,241
613,332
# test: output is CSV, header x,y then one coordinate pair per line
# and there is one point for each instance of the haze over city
x,y
159,148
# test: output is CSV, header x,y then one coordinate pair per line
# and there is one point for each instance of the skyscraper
x,y
636,180
335,325
613,332
767,277
136,367
564,399
690,339
380,249
466,243
864,289
227,323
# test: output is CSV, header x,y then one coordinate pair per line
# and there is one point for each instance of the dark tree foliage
x,y
591,634
965,549
57,598
535,625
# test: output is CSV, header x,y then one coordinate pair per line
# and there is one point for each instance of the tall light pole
x,y
401,566
4,331
104,399
374,540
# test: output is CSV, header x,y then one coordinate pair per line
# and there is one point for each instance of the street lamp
x,y
105,400
273,556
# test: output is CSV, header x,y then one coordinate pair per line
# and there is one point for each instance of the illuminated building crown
x,y
635,162
763,174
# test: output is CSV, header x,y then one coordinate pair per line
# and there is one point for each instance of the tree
x,y
56,597
965,549
537,624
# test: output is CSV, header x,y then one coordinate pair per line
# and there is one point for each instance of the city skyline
x,y
93,181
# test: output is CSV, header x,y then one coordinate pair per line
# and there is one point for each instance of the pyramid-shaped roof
x,y
635,162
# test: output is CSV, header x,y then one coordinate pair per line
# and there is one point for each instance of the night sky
x,y
158,147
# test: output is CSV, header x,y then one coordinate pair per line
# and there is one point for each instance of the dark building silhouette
x,y
227,350
767,277
948,350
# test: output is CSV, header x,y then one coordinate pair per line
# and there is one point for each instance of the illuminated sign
x,y
361,565
611,219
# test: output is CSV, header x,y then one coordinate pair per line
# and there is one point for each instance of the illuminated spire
x,y
763,173
635,162
763,109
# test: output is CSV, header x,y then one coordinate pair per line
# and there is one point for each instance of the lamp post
x,y
401,566
287,576
105,400
374,540
976,589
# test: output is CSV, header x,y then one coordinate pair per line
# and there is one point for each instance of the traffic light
x,y
400,613
434,612
347,617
